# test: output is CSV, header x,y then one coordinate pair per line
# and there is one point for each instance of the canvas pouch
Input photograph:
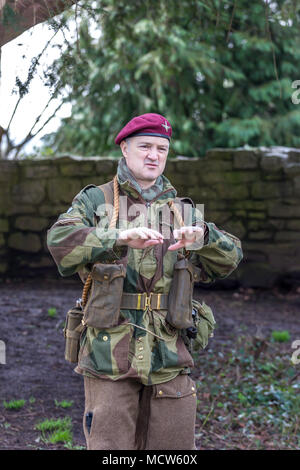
x,y
205,324
102,309
72,332
180,295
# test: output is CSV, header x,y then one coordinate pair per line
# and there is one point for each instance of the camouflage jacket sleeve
x,y
74,240
219,256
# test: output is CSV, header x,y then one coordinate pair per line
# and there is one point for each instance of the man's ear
x,y
124,149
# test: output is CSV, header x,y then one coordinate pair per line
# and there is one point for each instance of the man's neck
x,y
145,184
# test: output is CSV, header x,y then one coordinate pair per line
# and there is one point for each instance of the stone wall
x,y
254,194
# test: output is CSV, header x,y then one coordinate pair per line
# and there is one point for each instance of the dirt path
x,y
35,368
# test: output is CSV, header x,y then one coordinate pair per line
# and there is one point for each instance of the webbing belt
x,y
143,301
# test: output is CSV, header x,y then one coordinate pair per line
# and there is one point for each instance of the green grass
x,y
14,404
61,435
281,336
56,430
52,312
63,403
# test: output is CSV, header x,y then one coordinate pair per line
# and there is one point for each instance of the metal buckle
x,y
148,302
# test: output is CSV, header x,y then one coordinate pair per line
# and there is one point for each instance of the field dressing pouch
x,y
72,332
102,309
180,307
205,324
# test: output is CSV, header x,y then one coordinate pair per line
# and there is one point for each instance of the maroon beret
x,y
146,124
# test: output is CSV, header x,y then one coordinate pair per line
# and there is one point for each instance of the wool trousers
x,y
127,415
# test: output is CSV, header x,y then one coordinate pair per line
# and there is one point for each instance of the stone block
x,y
2,240
3,267
230,191
257,215
287,235
244,159
236,227
266,224
52,210
24,242
29,192
270,190
217,217
206,165
34,224
96,180
63,189
220,154
255,256
9,172
297,186
272,162
4,226
249,204
293,225
5,199
74,168
239,177
107,167
34,170
292,169
42,262
201,194
261,235
209,178
257,274
278,209
293,155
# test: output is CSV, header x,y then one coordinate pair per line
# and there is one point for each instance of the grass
x,y
248,397
63,403
56,430
52,312
14,404
280,336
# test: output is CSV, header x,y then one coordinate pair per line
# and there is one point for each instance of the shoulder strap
x,y
111,195
108,191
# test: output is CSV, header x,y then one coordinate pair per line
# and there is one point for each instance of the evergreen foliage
x,y
220,71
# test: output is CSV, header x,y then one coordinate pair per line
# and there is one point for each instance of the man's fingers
x,y
188,233
143,233
176,246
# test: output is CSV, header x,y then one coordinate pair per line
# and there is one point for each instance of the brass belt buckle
x,y
148,302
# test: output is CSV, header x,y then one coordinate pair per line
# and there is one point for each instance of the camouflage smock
x,y
152,351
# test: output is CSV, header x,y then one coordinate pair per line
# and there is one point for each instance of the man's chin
x,y
150,174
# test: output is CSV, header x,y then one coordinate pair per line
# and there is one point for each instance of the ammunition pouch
x,y
205,323
72,332
180,305
102,309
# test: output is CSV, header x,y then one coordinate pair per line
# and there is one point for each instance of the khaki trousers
x,y
127,415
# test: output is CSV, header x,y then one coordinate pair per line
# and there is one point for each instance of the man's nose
x,y
153,153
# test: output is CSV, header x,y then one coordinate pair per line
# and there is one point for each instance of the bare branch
x,y
268,31
28,79
27,13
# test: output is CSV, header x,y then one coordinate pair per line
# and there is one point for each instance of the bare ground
x,y
36,371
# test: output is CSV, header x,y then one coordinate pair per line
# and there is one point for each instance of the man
x,y
138,389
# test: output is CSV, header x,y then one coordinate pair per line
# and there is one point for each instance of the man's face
x,y
146,157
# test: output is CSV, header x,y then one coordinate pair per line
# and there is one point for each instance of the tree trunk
x,y
19,15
